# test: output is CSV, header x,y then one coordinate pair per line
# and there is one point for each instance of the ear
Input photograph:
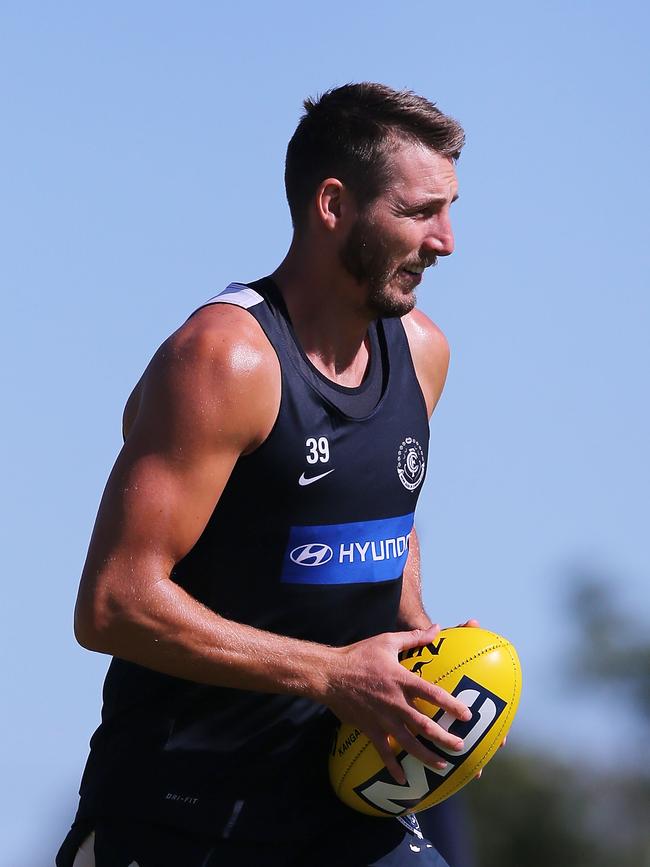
x,y
330,203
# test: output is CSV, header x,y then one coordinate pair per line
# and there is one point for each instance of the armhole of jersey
x,y
241,295
407,347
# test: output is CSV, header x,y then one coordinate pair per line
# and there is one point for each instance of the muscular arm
x,y
430,353
411,609
205,400
211,394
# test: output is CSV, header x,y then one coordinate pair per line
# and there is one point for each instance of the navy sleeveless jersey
x,y
309,539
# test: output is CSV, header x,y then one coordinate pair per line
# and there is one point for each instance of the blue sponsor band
x,y
356,553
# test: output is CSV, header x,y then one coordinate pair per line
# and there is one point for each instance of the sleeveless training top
x,y
309,539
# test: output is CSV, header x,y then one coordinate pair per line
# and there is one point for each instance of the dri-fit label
x,y
356,553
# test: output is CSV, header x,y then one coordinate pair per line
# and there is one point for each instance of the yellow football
x,y
482,670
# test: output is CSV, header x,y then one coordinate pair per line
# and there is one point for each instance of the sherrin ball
x,y
482,670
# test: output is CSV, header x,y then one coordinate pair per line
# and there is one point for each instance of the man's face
x,y
403,231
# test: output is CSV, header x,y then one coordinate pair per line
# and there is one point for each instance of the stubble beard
x,y
367,260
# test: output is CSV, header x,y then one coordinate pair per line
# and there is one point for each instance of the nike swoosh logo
x,y
303,480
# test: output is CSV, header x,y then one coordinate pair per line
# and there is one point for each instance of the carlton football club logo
x,y
410,463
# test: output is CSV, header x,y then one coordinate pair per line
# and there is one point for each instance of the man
x,y
253,569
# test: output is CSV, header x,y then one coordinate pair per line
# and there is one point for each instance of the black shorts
x,y
121,843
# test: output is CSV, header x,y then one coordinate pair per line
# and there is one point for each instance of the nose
x,y
439,239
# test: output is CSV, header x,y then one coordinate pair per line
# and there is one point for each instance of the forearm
x,y
171,632
411,610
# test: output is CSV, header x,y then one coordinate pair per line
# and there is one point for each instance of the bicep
x,y
157,501
154,508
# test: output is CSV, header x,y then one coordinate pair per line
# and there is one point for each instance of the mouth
x,y
416,270
410,277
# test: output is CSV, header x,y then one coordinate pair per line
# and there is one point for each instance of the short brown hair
x,y
348,132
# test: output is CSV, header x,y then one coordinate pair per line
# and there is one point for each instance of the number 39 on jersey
x,y
318,450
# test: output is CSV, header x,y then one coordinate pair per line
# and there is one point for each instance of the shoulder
x,y
218,372
222,340
430,354
425,338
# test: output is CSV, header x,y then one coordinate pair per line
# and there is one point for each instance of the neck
x,y
327,311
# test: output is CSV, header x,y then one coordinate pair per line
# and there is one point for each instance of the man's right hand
x,y
373,692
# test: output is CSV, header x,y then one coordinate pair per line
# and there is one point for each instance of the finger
x,y
436,695
439,736
418,750
503,742
471,622
387,756
478,776
416,637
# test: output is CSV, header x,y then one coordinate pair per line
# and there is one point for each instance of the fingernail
x,y
467,715
440,765
459,746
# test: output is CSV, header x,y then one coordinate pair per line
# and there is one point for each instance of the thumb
x,y
472,622
416,637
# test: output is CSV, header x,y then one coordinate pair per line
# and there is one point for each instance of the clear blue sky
x,y
141,152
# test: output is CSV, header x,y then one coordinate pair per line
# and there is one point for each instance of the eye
x,y
425,213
